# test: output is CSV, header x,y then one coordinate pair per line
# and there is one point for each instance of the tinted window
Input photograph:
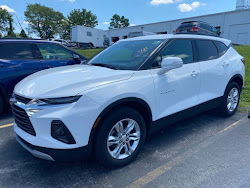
x,y
89,33
16,51
206,26
222,48
178,48
50,51
207,50
188,24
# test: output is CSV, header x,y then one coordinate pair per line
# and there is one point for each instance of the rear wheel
x,y
120,137
231,99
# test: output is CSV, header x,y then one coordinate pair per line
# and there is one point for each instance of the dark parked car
x,y
20,58
197,27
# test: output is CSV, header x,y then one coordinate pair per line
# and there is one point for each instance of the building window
x,y
114,39
89,34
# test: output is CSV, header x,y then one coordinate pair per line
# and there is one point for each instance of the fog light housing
x,y
60,132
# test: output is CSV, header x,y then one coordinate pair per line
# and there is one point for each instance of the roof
x,y
21,40
178,36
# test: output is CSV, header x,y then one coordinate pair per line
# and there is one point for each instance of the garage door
x,y
240,34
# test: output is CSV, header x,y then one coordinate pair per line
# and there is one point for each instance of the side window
x,y
202,25
222,48
16,51
89,34
51,51
207,50
178,48
209,28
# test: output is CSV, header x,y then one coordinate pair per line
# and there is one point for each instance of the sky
x,y
138,11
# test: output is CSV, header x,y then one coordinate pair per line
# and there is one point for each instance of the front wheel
x,y
120,137
231,99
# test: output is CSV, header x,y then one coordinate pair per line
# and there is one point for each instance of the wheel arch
x,y
136,103
238,79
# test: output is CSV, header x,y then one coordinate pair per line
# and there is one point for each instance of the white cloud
x,y
132,25
71,1
5,7
189,7
159,2
105,23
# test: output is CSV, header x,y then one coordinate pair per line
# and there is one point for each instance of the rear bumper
x,y
56,154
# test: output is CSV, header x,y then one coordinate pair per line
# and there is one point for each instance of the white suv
x,y
136,86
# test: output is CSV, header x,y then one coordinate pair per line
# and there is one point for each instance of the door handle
x,y
225,64
194,73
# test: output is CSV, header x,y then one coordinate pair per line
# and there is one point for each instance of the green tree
x,y
118,22
78,17
23,34
5,18
43,21
11,28
65,34
82,17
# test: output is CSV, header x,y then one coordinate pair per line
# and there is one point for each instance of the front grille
x,y
22,120
22,99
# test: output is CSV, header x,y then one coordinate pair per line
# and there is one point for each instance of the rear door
x,y
17,60
214,70
53,55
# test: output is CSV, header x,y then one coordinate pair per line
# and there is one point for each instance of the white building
x,y
234,25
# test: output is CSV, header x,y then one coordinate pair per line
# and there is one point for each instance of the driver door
x,y
178,89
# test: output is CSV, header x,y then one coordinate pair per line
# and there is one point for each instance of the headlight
x,y
61,100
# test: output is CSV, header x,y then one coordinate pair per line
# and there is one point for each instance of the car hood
x,y
68,81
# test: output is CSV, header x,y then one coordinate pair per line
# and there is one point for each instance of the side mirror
x,y
75,56
170,63
83,62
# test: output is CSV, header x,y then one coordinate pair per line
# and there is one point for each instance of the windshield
x,y
126,55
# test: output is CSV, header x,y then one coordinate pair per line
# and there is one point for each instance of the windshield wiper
x,y
105,65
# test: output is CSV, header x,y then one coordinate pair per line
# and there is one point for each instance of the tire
x,y
231,89
1,105
108,129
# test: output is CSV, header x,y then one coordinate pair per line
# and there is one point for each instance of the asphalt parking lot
x,y
203,151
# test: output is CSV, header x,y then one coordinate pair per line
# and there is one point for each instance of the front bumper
x,y
78,117
56,154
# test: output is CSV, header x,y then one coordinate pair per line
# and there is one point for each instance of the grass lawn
x,y
243,50
245,97
89,52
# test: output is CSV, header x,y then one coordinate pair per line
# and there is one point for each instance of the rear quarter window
x,y
222,48
206,50
16,51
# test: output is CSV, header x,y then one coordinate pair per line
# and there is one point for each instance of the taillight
x,y
177,31
195,29
243,61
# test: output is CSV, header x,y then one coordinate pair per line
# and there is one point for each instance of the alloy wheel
x,y
123,139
